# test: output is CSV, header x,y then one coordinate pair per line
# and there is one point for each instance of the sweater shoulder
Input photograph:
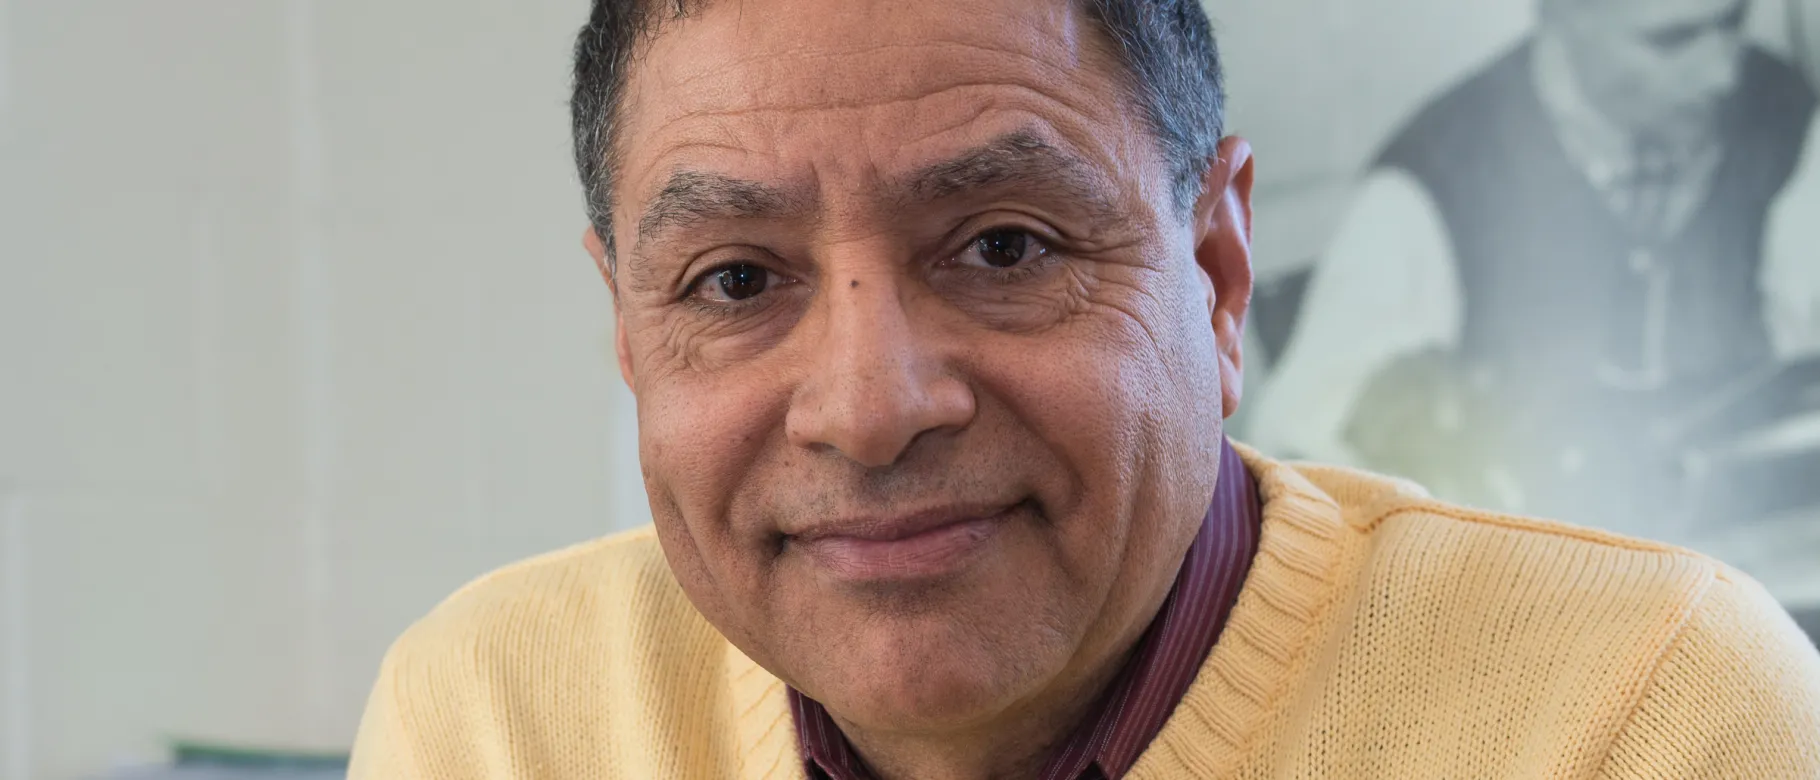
x,y
1518,559
568,572
1551,592
1540,637
1541,586
550,605
1504,646
577,663
1369,501
1737,694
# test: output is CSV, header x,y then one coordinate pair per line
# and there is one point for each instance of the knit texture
x,y
1379,634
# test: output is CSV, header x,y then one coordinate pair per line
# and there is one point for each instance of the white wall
x,y
296,336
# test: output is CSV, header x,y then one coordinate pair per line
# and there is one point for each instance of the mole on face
x,y
854,284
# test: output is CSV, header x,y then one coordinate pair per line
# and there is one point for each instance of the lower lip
x,y
933,553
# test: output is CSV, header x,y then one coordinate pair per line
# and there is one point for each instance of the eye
x,y
1002,248
735,282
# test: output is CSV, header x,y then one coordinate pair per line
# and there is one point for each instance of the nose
x,y
874,385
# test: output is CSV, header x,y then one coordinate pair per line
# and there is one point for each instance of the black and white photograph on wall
x,y
1573,273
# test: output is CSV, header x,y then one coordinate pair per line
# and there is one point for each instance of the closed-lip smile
x,y
919,546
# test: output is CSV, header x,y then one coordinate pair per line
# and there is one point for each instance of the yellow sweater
x,y
1380,634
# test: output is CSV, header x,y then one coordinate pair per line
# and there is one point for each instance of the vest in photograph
x,y
1562,296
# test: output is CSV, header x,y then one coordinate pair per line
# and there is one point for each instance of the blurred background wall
x,y
296,334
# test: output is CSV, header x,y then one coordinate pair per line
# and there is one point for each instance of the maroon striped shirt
x,y
1133,710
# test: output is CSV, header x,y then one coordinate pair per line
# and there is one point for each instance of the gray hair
x,y
1167,48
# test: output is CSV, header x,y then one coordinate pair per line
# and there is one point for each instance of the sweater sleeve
x,y
382,747
1736,696
419,720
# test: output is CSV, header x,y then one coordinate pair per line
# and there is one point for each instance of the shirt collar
x,y
1167,657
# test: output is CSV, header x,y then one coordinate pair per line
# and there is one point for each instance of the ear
x,y
1222,249
597,249
621,347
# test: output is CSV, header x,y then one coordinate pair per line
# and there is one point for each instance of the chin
x,y
931,696
933,680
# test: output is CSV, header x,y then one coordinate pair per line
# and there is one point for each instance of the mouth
x,y
924,546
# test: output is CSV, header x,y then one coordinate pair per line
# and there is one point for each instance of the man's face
x,y
929,388
1657,66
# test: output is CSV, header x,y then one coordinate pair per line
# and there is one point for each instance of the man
x,y
933,311
1572,259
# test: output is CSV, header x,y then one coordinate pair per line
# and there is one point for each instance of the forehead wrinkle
x,y
1065,49
1084,104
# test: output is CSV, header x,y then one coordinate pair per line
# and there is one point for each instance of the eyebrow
x,y
693,197
1020,157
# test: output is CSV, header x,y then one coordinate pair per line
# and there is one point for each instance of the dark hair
x,y
1166,47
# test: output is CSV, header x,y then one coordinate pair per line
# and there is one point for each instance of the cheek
x,y
701,436
1127,394
1171,375
1124,403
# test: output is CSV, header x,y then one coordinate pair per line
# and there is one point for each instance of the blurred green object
x,y
186,753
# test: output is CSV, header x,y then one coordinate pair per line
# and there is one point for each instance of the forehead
x,y
838,89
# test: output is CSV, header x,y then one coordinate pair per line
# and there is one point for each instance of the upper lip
x,y
890,529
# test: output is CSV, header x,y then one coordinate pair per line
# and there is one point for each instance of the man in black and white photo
x,y
1619,216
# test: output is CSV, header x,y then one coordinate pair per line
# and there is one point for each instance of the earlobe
x,y
1230,335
